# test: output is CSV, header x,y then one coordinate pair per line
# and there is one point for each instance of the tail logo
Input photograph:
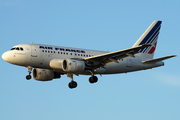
x,y
151,51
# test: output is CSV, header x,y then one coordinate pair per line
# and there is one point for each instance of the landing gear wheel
x,y
93,79
72,84
28,77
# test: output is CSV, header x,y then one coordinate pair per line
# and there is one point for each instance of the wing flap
x,y
158,59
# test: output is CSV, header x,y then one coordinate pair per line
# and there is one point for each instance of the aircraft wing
x,y
103,59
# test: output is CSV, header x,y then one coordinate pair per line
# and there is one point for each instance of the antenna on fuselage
x,y
32,42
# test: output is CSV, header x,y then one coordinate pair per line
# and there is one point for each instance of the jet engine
x,y
73,66
44,74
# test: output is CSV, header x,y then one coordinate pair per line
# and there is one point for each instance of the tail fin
x,y
150,36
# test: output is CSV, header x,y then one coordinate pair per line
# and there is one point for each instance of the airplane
x,y
47,62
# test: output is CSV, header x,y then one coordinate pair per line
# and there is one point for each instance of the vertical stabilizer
x,y
150,36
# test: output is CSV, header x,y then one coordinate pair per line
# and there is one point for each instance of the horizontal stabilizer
x,y
158,59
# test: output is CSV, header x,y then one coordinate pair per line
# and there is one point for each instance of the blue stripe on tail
x,y
152,36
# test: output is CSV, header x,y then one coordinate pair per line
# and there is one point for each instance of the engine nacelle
x,y
73,66
44,74
56,63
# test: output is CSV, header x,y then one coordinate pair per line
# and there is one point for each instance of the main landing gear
x,y
93,79
72,84
28,77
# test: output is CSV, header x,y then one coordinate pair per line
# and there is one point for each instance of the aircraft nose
x,y
5,56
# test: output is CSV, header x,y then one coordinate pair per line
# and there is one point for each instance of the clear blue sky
x,y
95,24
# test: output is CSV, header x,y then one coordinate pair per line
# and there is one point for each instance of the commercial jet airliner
x,y
50,62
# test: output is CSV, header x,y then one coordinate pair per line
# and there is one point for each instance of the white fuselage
x,y
39,56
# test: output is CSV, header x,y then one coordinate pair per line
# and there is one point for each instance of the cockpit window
x,y
13,48
17,48
21,48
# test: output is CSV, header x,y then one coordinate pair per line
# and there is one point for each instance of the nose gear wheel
x,y
28,77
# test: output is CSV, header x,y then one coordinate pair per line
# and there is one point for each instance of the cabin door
x,y
33,51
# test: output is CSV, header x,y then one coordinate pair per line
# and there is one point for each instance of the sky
x,y
91,24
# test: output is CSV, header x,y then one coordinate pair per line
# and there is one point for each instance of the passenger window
x,y
89,55
42,50
70,53
86,55
45,50
54,52
66,53
51,51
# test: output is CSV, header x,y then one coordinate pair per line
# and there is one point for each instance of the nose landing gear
x,y
28,77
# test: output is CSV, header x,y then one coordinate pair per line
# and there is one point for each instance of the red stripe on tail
x,y
152,49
